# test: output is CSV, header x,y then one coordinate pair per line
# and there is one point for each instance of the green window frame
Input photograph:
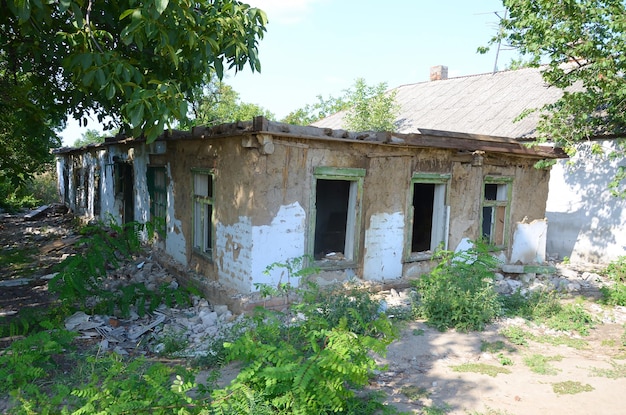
x,y
335,220
428,215
157,190
203,212
496,206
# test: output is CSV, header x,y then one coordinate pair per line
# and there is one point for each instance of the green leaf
x,y
161,5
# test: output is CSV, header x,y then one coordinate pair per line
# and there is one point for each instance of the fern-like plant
x,y
311,366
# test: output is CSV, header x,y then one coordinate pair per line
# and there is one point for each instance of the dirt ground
x,y
420,373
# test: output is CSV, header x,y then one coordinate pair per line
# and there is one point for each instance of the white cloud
x,y
283,11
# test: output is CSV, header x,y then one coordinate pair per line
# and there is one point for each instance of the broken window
x,y
157,189
428,214
495,211
337,214
203,212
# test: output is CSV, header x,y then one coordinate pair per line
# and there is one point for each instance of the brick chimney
x,y
438,73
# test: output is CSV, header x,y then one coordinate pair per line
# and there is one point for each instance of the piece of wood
x,y
34,214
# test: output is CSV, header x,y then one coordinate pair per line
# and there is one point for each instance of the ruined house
x,y
235,198
585,222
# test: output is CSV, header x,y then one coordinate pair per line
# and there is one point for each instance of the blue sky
x,y
320,47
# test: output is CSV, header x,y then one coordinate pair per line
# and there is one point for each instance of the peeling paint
x,y
529,242
175,244
384,243
234,272
283,239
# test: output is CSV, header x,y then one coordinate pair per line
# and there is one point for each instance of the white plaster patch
x,y
280,241
175,244
233,247
384,243
529,242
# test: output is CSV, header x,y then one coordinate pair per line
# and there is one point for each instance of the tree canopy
x,y
368,108
129,61
217,103
584,45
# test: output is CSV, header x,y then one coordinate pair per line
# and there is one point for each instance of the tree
x,y
129,61
89,137
584,43
313,112
217,103
370,108
367,108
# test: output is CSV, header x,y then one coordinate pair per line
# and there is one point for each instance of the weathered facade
x,y
238,197
585,222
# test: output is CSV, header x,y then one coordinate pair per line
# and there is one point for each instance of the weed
x,y
540,364
418,332
616,372
309,366
491,411
415,393
172,343
28,361
615,294
570,388
571,317
568,341
481,368
459,292
80,281
516,335
492,347
609,342
436,410
504,360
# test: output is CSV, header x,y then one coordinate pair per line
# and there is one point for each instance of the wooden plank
x,y
34,214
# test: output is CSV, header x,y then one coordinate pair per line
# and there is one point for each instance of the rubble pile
x,y
181,331
193,331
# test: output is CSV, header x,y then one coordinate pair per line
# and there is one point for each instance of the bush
x,y
308,361
459,293
616,293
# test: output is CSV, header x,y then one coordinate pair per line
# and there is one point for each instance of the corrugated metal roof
x,y
485,104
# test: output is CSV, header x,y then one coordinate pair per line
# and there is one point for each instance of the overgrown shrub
x,y
615,294
309,361
103,247
459,293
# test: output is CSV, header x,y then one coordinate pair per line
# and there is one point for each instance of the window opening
x,y
203,212
335,235
495,212
423,198
157,189
429,215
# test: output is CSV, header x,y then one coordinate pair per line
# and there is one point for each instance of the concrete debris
x,y
198,328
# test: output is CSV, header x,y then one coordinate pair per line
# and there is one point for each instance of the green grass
x,y
492,347
570,388
17,260
481,368
415,393
520,337
541,364
616,372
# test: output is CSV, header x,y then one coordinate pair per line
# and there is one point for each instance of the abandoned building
x,y
585,222
232,199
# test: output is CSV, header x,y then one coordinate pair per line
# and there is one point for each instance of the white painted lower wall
x,y
233,249
282,240
384,244
585,222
